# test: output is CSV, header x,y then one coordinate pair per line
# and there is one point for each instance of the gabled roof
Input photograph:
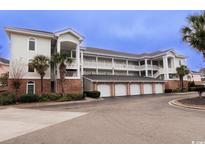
x,y
120,78
122,54
69,30
29,31
3,60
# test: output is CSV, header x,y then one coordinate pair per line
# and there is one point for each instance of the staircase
x,y
159,72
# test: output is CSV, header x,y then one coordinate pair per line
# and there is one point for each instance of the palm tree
x,y
61,59
194,32
182,71
41,64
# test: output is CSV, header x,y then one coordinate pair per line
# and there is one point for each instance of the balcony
x,y
120,66
133,67
90,64
73,64
104,65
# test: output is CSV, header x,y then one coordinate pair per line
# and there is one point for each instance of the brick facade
x,y
23,87
175,84
70,86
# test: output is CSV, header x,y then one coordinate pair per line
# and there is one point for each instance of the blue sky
x,y
129,31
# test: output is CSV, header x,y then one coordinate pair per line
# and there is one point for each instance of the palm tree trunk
x,y
41,84
182,80
62,76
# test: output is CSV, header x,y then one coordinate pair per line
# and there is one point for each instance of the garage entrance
x,y
120,89
134,89
105,90
147,88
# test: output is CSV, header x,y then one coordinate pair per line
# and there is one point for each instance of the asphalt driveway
x,y
140,119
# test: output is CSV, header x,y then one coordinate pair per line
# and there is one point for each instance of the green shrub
x,y
50,97
92,94
26,98
71,97
7,98
199,89
75,97
168,90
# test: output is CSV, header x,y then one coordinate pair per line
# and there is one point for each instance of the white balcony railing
x,y
104,65
73,64
120,66
90,64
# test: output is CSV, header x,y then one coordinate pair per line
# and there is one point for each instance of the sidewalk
x,y
40,104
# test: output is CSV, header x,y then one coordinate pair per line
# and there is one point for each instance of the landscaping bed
x,y
195,102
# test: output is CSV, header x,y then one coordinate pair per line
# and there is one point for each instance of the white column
x,y
96,65
82,65
127,66
152,68
113,72
165,68
146,68
139,68
58,46
78,60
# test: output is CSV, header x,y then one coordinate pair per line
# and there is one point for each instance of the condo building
x,y
113,73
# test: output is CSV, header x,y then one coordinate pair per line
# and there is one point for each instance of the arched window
x,y
30,87
30,66
32,44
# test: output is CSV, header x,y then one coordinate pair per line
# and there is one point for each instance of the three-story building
x,y
92,64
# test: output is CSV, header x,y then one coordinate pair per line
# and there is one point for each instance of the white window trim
x,y
28,44
34,87
28,66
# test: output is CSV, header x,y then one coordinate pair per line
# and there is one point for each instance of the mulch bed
x,y
196,101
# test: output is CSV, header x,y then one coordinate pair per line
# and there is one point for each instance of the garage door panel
x,y
159,88
134,89
147,88
120,89
105,90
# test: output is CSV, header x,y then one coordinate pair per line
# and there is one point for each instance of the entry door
x,y
105,90
134,89
147,88
120,89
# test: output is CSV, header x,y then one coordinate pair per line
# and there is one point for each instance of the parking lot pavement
x,y
15,122
137,119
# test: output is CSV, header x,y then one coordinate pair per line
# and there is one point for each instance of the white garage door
x,y
134,89
159,88
120,89
147,88
105,90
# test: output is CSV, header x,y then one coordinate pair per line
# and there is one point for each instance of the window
x,y
71,72
73,54
30,87
32,44
30,66
180,63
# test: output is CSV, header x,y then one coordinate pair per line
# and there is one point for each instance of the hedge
x,y
7,98
92,94
27,98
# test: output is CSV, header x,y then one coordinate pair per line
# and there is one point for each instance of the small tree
x,y
182,71
61,59
16,73
4,79
41,64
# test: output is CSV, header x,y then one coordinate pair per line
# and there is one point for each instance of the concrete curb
x,y
176,103
41,104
